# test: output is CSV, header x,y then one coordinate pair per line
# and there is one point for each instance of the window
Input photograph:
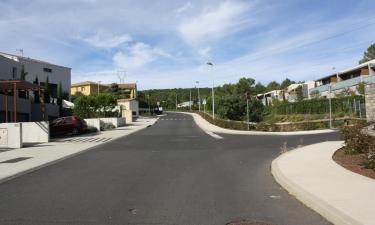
x,y
48,70
82,88
14,72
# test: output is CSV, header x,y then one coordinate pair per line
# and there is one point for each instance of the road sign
x,y
157,103
204,101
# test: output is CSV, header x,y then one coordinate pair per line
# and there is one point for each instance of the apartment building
x,y
345,80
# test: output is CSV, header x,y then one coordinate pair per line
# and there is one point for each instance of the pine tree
x,y
36,93
47,97
369,54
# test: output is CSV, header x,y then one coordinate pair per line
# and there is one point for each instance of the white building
x,y
10,69
345,80
292,90
268,97
27,109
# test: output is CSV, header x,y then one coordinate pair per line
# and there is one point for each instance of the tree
x,y
361,88
286,83
369,54
36,93
23,74
299,93
273,85
259,88
106,103
59,97
101,105
47,97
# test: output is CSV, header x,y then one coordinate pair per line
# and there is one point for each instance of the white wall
x,y
12,133
35,132
116,122
93,123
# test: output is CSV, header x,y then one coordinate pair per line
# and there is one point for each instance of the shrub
x,y
356,142
101,105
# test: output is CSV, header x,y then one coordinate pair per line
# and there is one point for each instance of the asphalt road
x,y
170,173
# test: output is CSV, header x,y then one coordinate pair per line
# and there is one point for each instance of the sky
x,y
167,43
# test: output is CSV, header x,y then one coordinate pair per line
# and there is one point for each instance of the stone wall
x,y
370,102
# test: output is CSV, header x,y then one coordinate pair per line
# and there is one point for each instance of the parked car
x,y
67,125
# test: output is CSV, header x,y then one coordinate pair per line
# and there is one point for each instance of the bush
x,y
101,105
356,142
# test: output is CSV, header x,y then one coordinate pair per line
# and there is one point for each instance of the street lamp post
x,y
190,101
213,92
330,106
199,97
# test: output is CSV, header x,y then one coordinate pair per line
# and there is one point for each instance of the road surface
x,y
170,173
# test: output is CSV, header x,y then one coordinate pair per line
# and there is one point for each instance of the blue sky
x,y
166,44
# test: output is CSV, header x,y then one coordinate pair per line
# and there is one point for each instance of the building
x,y
268,97
27,108
87,88
127,91
346,80
11,65
292,90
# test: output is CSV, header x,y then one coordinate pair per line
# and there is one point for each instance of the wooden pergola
x,y
13,86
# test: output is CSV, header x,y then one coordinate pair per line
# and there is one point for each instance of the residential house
x,y
345,80
268,97
291,94
27,109
87,88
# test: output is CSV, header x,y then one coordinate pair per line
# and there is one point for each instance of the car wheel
x,y
75,131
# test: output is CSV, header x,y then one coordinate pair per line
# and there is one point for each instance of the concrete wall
x,y
35,132
93,123
370,102
116,122
11,135
132,105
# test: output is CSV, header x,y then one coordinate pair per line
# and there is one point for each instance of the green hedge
x,y
318,106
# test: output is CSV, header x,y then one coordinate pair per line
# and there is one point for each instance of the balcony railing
x,y
344,84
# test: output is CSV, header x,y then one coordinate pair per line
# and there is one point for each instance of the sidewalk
x,y
341,196
208,127
59,149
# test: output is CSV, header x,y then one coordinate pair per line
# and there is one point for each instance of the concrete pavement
x,y
170,173
40,155
341,196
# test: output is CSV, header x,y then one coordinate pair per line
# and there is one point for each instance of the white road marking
x,y
214,135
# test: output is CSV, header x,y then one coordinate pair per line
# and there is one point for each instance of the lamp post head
x,y
210,64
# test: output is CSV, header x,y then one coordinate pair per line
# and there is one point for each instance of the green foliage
x,y
286,83
23,74
259,88
299,94
361,88
356,141
101,105
47,96
36,93
369,54
273,85
316,106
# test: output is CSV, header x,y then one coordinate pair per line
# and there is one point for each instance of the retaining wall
x,y
10,135
35,132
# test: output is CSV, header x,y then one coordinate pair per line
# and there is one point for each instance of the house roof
x,y
371,63
84,83
17,58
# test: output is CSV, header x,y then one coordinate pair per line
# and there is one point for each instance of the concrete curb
x,y
206,126
332,214
2,180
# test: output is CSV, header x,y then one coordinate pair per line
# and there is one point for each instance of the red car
x,y
67,125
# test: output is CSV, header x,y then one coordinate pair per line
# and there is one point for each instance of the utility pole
x,y
247,110
176,101
330,106
199,97
213,92
190,101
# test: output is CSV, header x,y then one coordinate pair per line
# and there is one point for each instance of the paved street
x,y
170,173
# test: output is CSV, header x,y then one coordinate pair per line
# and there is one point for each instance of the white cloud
x,y
184,8
137,56
106,40
205,53
214,23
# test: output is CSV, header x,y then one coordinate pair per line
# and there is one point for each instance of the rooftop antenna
x,y
121,74
20,50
